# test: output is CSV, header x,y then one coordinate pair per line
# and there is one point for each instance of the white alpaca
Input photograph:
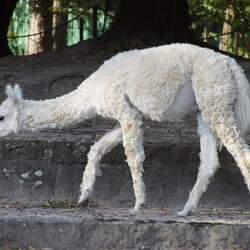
x,y
161,83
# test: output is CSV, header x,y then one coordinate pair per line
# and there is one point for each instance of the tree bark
x,y
236,42
227,29
6,9
59,32
40,24
147,19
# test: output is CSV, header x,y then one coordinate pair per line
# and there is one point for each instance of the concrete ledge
x,y
112,228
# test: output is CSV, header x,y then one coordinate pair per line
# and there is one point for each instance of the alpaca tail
x,y
242,104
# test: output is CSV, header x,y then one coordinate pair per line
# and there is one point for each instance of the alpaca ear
x,y
14,94
18,92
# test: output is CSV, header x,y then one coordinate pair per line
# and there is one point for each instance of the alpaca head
x,y
9,111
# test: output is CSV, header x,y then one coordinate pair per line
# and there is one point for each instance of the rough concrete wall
x,y
74,231
36,170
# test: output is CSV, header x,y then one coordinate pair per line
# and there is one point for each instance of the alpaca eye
x,y
1,118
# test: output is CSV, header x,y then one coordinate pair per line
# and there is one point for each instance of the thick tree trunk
x,y
59,32
40,24
147,19
6,10
227,29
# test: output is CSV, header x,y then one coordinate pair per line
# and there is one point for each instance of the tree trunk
x,y
236,42
147,19
6,9
227,29
59,32
41,25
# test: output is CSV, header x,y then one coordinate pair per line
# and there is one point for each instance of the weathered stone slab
x,y
50,166
112,228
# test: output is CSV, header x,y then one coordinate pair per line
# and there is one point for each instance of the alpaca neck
x,y
60,112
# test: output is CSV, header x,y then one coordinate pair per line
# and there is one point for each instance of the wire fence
x,y
50,30
91,22
84,24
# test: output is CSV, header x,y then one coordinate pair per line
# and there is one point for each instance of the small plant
x,y
59,204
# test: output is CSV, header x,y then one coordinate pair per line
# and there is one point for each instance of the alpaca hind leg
x,y
133,144
97,151
227,130
209,163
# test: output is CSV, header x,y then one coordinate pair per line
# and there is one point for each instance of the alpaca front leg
x,y
97,151
208,165
133,144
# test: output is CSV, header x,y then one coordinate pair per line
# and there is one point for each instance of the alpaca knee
x,y
135,155
136,164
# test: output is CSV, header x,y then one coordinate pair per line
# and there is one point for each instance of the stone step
x,y
112,227
40,173
41,167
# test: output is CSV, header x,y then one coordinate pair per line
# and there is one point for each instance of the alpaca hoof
x,y
137,212
83,201
183,213
137,209
132,211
